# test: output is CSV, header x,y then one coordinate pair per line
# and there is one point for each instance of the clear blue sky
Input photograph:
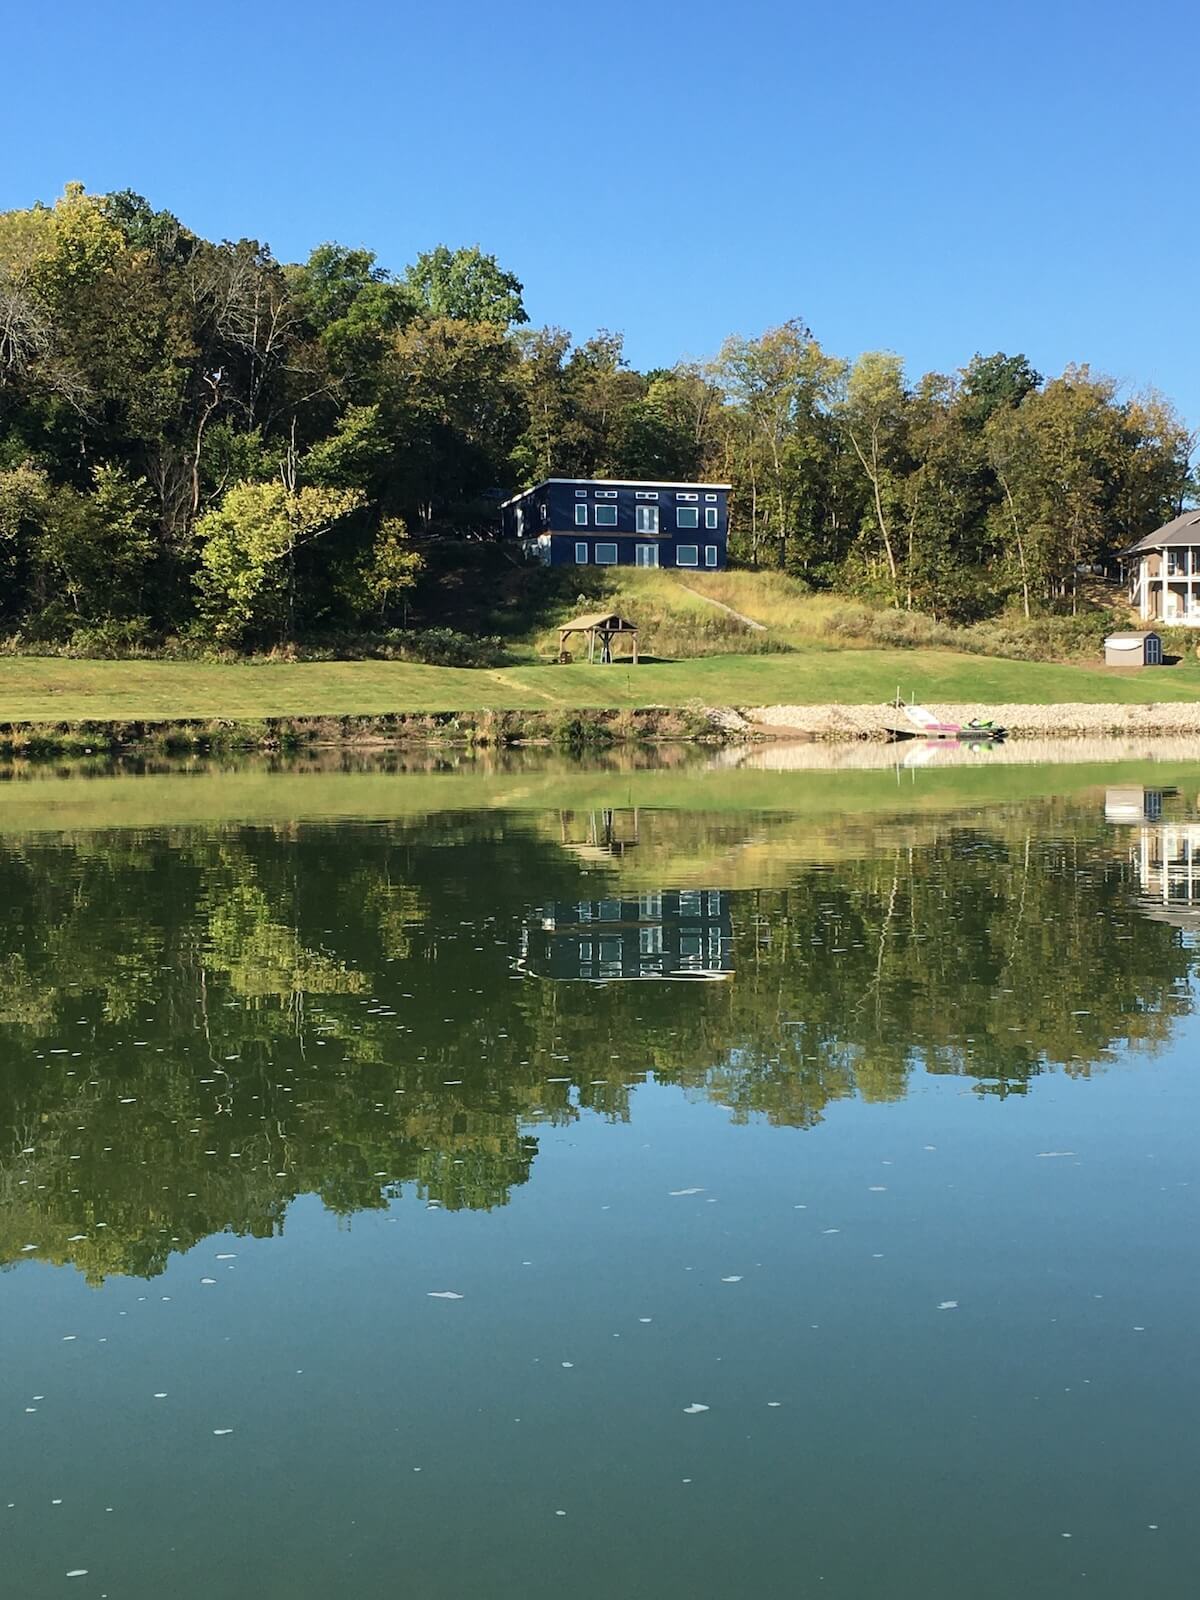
x,y
934,177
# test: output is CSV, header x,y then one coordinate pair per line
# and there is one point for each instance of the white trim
x,y
646,494
581,521
621,483
694,548
605,561
712,516
605,494
685,494
645,518
605,523
688,526
710,555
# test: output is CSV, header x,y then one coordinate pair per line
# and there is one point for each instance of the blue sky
x,y
933,178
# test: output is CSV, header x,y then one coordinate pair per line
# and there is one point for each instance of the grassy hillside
x,y
50,689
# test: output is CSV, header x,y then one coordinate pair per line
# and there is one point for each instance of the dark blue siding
x,y
550,509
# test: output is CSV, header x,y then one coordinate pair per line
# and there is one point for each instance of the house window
x,y
682,496
710,497
581,516
647,519
520,521
606,494
585,950
650,941
606,516
581,553
581,494
606,555
686,555
710,555
710,516
687,517
647,494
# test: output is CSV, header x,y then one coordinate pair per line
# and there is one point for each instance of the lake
x,y
645,1177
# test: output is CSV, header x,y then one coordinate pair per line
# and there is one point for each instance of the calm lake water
x,y
551,1181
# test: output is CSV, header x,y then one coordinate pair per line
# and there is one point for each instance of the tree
x,y
466,286
874,415
248,547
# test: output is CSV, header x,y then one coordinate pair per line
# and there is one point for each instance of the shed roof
x,y
1180,530
599,619
1130,638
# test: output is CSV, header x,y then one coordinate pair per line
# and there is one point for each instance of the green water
x,y
510,1198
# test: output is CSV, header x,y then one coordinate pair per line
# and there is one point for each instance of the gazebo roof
x,y
609,621
1180,530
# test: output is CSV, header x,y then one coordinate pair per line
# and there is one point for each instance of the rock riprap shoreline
x,y
1073,720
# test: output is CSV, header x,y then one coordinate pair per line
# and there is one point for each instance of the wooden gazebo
x,y
601,627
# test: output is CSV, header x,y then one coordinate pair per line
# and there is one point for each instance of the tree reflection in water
x,y
197,1025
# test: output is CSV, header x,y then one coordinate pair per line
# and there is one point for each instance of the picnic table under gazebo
x,y
601,627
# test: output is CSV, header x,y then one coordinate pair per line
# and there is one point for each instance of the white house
x,y
1165,573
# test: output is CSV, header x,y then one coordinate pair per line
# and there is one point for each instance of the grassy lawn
x,y
43,689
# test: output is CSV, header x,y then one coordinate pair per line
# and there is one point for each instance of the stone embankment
x,y
1075,720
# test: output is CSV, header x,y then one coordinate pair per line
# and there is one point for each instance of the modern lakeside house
x,y
608,522
1165,573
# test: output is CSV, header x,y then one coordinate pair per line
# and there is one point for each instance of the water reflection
x,y
197,1025
663,935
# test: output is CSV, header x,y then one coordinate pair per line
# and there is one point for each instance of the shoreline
x,y
588,728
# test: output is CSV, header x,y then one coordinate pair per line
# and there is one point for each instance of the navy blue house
x,y
608,522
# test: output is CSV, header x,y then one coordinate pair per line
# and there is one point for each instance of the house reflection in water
x,y
664,935
1165,855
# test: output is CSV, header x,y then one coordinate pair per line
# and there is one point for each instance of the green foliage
x,y
467,286
146,373
248,546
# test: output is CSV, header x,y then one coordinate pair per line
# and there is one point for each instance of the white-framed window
x,y
606,516
686,555
647,494
690,904
606,554
581,553
585,950
710,497
650,941
710,555
680,495
519,517
710,516
687,516
606,494
581,516
647,519
542,511
581,494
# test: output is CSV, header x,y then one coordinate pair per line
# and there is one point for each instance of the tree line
x,y
200,442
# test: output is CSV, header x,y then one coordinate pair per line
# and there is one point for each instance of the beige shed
x,y
1133,650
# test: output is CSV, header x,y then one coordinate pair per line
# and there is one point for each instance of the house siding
x,y
543,518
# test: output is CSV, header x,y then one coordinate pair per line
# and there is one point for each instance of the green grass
x,y
50,689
